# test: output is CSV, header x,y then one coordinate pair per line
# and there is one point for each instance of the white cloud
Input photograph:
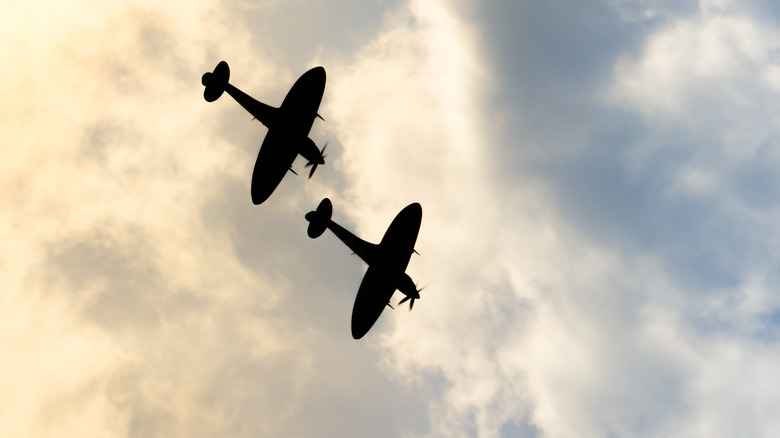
x,y
173,306
144,295
122,304
528,318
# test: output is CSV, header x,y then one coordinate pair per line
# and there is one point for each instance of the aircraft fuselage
x,y
386,261
375,256
281,120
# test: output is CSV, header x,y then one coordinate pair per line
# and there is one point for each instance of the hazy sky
x,y
600,238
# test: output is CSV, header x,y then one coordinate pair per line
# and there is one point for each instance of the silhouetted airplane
x,y
386,261
288,126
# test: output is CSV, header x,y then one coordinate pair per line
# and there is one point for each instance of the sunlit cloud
x,y
119,280
599,243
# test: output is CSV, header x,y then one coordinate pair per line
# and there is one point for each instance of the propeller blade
x,y
403,301
411,304
314,164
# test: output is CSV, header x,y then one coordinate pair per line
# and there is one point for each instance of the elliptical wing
x,y
274,160
372,297
303,100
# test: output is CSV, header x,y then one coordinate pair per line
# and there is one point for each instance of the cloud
x,y
146,295
413,127
124,305
598,238
587,270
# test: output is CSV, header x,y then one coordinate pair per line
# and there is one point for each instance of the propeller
x,y
314,164
408,298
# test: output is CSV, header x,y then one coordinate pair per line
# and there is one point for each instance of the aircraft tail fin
x,y
318,220
215,82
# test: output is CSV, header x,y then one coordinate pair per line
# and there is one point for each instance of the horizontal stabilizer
x,y
318,220
215,82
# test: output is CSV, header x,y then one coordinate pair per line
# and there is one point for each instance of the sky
x,y
600,243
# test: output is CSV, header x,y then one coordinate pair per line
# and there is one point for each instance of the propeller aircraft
x,y
387,262
288,126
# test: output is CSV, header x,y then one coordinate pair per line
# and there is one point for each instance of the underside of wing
x,y
398,242
302,102
372,297
273,161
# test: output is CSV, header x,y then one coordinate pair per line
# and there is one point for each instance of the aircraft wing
x,y
398,242
372,297
303,100
273,161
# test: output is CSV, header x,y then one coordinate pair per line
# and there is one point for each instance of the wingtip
x,y
257,199
318,73
359,329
